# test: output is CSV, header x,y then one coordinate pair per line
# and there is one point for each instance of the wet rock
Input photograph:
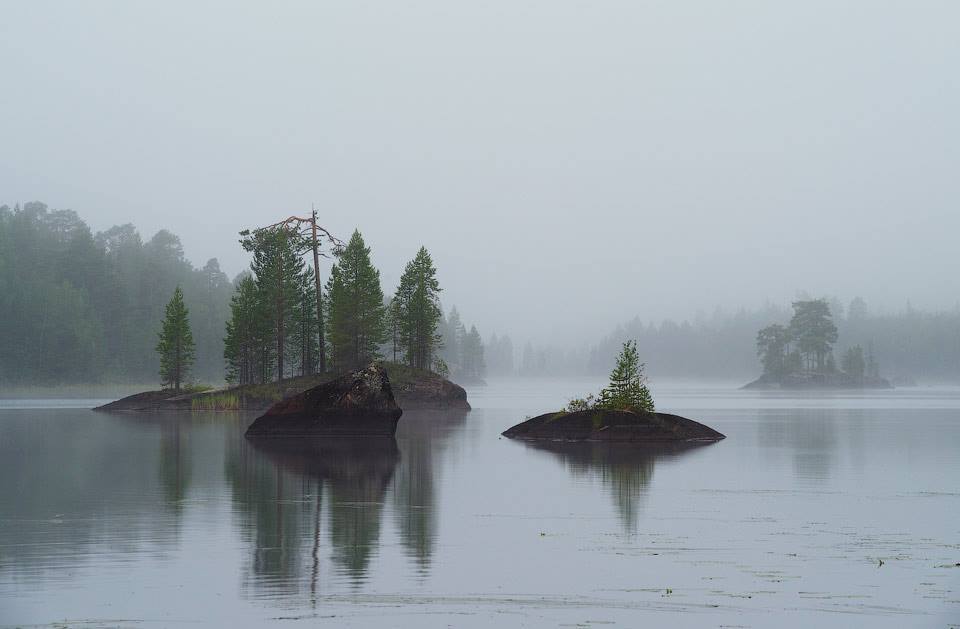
x,y
360,402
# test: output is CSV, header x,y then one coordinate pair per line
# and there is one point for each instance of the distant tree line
x,y
463,351
909,344
84,307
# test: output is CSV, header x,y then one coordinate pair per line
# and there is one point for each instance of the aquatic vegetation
x,y
225,401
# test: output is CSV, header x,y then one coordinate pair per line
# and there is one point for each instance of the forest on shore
x,y
80,307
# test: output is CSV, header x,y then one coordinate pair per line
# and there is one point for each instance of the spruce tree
x,y
248,346
356,324
176,343
627,390
418,307
278,268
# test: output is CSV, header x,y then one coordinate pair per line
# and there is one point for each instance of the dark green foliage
x,y
175,344
279,271
248,346
304,336
83,308
417,307
356,323
627,390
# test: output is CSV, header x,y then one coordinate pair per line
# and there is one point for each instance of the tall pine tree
x,y
278,268
248,346
356,324
176,343
418,307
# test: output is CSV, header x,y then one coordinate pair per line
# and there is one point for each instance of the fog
x,y
570,165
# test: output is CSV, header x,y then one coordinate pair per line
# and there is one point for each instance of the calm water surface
x,y
163,520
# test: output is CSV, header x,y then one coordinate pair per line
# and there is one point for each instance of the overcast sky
x,y
569,164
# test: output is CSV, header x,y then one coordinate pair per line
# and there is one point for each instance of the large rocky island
x,y
614,426
414,389
360,402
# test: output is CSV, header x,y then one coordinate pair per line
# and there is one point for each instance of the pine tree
x,y
356,325
176,343
278,268
627,389
418,307
248,346
304,336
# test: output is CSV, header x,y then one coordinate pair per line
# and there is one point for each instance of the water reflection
x,y
352,472
69,488
424,437
175,465
301,500
625,469
810,434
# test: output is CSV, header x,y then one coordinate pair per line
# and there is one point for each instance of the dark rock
x,y
358,403
146,401
418,389
613,426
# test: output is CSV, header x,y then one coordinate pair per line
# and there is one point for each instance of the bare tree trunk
x,y
316,279
280,330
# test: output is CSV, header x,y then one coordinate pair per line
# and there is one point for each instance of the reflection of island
x,y
423,436
305,501
278,484
625,469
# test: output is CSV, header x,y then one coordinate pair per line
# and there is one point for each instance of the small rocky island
x,y
614,426
800,355
622,413
414,389
360,402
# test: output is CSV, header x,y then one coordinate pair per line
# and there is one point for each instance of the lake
x,y
830,511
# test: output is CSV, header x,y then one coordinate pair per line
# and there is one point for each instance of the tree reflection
x,y
294,493
423,437
625,469
278,484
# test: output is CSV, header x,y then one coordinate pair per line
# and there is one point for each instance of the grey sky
x,y
569,164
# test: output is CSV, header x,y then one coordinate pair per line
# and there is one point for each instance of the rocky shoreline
x,y
414,389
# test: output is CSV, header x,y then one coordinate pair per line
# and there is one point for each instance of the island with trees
x,y
622,412
800,355
285,334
